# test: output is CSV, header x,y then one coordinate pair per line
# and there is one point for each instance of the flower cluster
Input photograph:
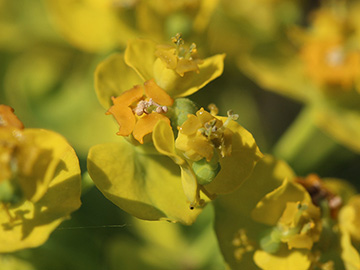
x,y
159,149
159,123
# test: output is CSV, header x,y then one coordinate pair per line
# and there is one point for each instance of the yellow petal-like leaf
x,y
163,139
239,165
349,217
270,208
233,211
294,260
190,185
35,221
349,254
182,86
140,55
91,25
146,186
112,78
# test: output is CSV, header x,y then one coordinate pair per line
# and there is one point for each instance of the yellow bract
x,y
40,183
350,217
163,138
290,208
349,222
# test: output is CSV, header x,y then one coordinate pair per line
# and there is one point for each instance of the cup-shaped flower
x,y
215,154
39,183
295,218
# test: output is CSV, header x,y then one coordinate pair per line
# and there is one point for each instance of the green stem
x,y
308,149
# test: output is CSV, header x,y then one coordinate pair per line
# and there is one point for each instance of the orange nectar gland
x,y
139,109
330,63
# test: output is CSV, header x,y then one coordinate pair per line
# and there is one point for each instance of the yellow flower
x,y
215,154
148,104
330,59
296,219
200,135
38,170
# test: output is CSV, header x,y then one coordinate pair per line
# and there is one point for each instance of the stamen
x,y
301,208
231,116
213,109
181,51
140,108
177,40
192,50
307,227
148,107
335,57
